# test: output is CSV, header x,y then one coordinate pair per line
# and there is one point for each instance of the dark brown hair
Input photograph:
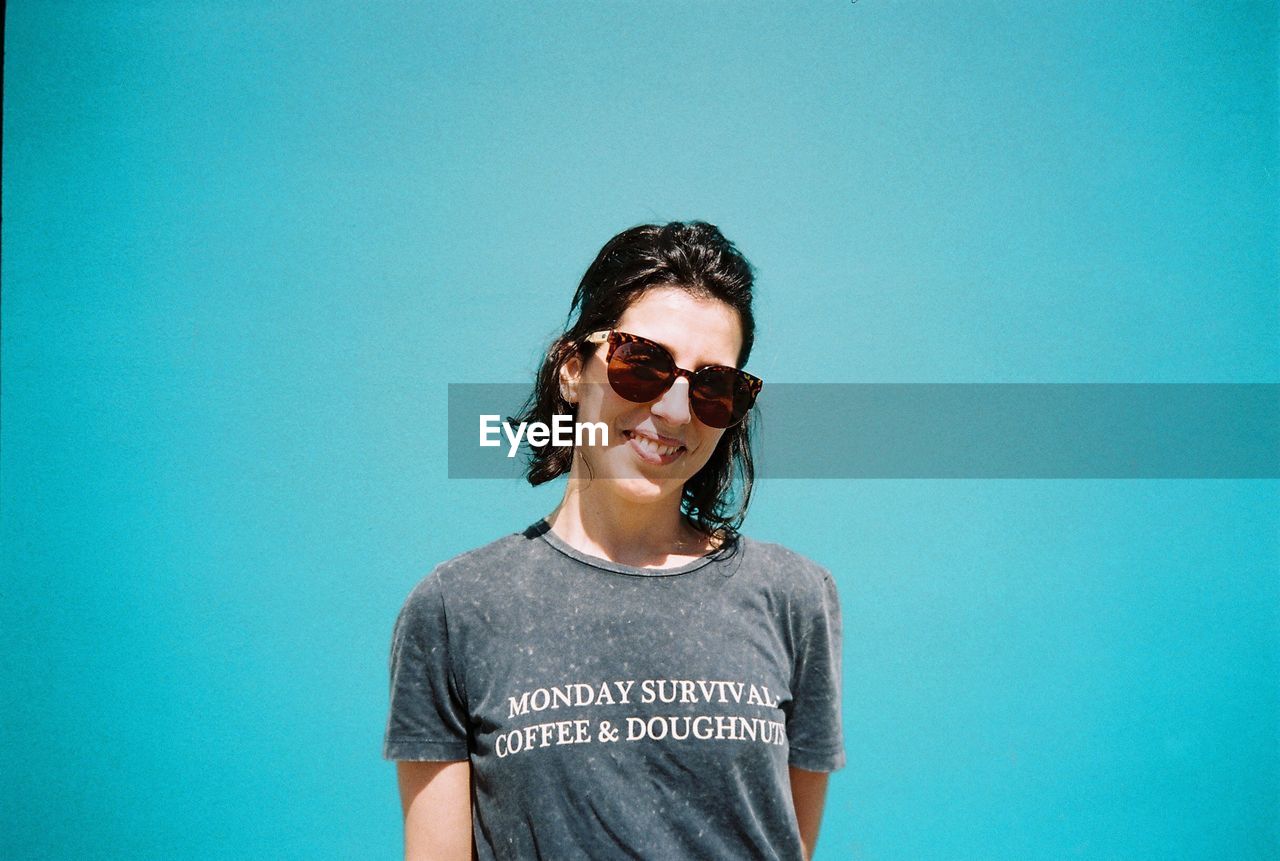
x,y
692,256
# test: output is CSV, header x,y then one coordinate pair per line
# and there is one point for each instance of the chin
x,y
631,482
642,490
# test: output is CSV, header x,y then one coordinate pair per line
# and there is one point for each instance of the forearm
x,y
808,794
436,800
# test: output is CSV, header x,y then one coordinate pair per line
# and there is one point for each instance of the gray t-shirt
x,y
619,712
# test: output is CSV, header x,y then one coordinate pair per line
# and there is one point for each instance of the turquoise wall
x,y
246,246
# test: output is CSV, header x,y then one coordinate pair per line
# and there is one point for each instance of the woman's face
x,y
639,461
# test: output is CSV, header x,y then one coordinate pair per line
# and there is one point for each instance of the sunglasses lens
x,y
720,397
640,372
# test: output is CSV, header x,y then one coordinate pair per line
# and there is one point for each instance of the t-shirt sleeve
x,y
813,726
428,711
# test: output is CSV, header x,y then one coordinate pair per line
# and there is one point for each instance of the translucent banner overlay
x,y
987,430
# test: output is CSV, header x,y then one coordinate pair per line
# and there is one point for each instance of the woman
x,y
629,677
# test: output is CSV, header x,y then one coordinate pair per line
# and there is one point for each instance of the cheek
x,y
594,403
708,440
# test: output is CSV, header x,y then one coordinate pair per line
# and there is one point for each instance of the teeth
x,y
654,448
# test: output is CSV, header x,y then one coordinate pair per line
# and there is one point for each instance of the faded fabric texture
x,y
619,712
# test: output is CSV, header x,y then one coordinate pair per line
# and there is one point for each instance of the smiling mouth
x,y
652,451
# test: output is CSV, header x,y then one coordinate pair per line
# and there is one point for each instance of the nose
x,y
673,406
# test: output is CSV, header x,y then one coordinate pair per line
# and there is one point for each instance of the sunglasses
x,y
641,370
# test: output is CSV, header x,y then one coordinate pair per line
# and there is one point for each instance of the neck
x,y
646,535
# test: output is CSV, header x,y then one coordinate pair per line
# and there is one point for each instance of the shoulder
x,y
802,590
494,556
783,564
804,587
461,573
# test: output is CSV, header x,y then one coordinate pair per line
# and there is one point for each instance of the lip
x,y
655,437
648,457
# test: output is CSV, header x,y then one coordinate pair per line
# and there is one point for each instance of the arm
x,y
436,799
808,792
813,723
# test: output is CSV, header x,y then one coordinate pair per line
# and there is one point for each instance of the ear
x,y
570,371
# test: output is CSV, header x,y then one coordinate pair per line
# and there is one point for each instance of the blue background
x,y
247,246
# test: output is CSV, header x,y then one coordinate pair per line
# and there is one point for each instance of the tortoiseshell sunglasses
x,y
641,370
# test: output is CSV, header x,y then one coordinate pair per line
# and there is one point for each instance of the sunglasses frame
x,y
615,339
